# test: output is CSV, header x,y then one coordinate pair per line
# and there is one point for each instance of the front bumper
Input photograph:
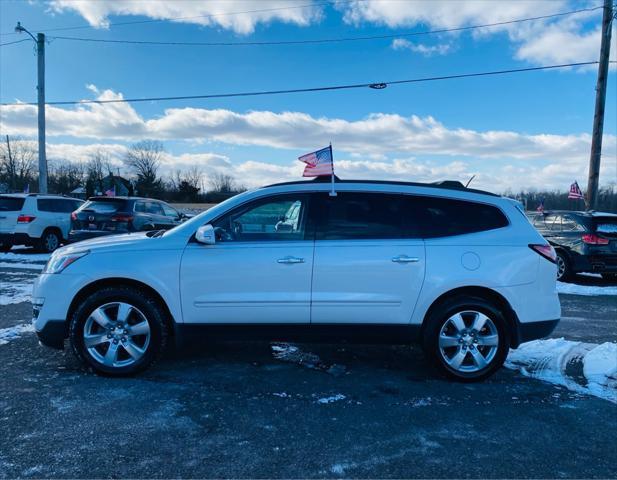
x,y
53,333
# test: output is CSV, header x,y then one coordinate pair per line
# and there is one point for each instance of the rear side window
x,y
445,217
103,206
360,216
11,204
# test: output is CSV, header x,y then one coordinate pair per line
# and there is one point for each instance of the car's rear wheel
x,y
50,241
564,269
5,246
467,338
118,331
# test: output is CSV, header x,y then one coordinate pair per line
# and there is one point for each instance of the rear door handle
x,y
290,259
405,259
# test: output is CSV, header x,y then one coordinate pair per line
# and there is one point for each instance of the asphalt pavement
x,y
264,410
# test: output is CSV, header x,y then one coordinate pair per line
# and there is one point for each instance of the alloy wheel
x,y
116,334
561,267
51,242
468,341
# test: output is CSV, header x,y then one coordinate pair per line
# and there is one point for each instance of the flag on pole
x,y
318,163
541,206
111,192
575,192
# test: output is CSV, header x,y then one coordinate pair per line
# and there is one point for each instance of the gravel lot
x,y
262,410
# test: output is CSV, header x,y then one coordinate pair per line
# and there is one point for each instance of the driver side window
x,y
280,218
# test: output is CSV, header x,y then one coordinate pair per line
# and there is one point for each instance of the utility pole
x,y
12,165
598,119
40,54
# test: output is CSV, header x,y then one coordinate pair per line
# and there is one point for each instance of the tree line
x,y
142,160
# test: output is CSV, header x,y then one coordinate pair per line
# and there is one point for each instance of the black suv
x,y
112,215
584,241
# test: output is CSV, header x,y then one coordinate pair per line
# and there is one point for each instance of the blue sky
x,y
513,131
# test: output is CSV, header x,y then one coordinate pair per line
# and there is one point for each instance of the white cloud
x,y
559,40
426,50
240,16
375,135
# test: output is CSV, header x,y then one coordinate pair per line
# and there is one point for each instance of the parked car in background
x,y
584,241
458,270
112,215
42,221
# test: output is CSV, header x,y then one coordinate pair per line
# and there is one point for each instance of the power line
x,y
330,40
211,15
16,41
373,85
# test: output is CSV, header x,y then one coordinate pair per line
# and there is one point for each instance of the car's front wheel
x,y
467,338
118,331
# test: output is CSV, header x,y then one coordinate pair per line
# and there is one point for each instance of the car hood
x,y
126,241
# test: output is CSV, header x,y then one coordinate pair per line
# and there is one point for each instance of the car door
x,y
369,264
256,272
172,216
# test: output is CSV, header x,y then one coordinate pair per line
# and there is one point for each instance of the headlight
x,y
59,262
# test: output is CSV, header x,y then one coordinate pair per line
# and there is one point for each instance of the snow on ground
x,y
582,367
25,257
13,292
588,290
331,399
23,266
11,333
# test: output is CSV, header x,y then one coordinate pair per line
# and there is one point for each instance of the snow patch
x,y
581,367
22,265
16,331
334,398
587,290
33,257
11,293
287,352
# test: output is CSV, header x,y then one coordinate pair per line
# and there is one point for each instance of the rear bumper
x,y
79,235
526,332
16,239
594,263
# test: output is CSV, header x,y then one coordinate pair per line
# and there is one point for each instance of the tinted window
x,y
569,224
11,204
169,212
103,206
140,207
443,217
48,205
280,218
154,208
357,216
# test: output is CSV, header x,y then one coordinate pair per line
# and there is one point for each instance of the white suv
x,y
42,221
459,270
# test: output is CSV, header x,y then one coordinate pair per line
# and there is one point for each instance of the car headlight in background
x,y
60,261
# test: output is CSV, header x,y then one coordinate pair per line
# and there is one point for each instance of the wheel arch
x,y
123,282
487,294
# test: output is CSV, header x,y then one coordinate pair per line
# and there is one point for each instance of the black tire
x,y
146,305
5,247
564,267
49,241
440,316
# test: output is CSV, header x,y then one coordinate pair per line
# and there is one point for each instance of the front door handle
x,y
405,259
289,259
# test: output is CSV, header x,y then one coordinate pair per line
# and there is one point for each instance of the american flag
x,y
111,192
540,206
318,163
575,192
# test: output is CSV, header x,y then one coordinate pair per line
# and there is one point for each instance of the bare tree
x,y
65,176
222,183
17,162
143,160
97,168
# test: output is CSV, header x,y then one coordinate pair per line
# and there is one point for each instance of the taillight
x,y
546,251
73,216
122,218
591,239
25,218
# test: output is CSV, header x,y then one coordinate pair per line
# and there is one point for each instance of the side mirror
x,y
205,235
